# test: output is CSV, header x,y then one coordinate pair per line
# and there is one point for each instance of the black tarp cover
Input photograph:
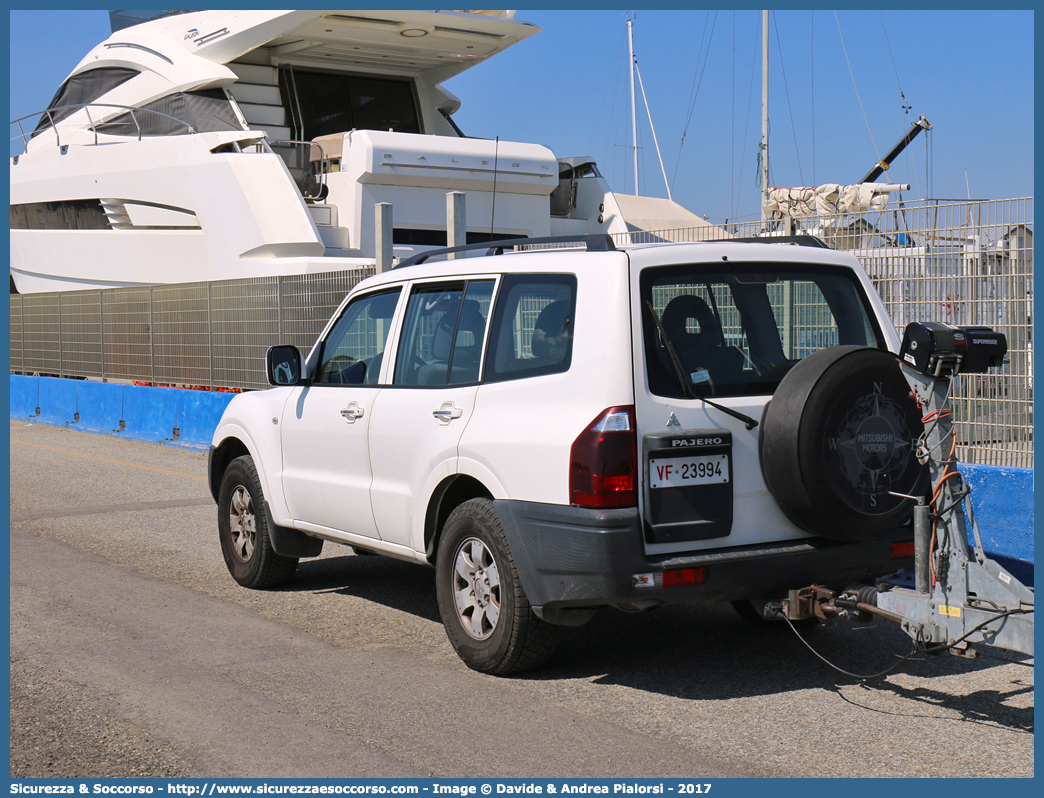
x,y
86,87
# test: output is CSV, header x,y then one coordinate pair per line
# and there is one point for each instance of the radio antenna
x,y
493,210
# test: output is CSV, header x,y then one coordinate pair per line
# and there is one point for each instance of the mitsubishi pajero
x,y
559,430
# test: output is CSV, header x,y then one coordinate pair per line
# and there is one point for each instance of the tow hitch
x,y
857,603
960,596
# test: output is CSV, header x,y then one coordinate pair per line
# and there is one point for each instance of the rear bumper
x,y
571,558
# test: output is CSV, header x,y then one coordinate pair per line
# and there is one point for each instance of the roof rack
x,y
595,242
800,240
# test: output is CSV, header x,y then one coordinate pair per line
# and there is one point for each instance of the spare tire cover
x,y
839,435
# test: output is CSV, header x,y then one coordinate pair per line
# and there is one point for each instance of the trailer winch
x,y
960,596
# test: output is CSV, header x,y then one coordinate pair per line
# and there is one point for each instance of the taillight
x,y
603,462
902,549
685,576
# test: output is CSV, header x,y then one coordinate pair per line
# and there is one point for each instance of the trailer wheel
x,y
838,440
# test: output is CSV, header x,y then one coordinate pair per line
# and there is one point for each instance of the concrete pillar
x,y
456,222
383,230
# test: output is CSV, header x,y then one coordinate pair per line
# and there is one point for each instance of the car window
x,y
442,333
533,328
353,351
471,329
738,333
805,319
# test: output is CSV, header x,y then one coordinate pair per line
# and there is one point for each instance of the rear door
x,y
736,329
535,397
418,420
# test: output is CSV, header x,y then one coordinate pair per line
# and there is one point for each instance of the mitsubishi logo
x,y
673,421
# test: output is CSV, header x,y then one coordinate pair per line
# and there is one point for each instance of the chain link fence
x,y
966,263
960,262
202,335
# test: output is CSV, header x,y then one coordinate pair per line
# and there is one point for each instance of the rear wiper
x,y
679,373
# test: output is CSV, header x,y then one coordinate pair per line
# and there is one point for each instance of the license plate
x,y
680,472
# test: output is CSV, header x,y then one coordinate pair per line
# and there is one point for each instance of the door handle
x,y
352,412
447,412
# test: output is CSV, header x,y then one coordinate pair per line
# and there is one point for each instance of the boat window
x,y
60,215
328,102
205,110
426,237
379,104
738,333
85,87
118,20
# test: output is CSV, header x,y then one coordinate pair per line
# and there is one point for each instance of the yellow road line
x,y
109,460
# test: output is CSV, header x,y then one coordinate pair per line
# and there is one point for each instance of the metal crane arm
x,y
884,163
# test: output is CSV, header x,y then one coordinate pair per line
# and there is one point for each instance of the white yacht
x,y
222,144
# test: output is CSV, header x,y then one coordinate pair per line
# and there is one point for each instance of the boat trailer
x,y
960,596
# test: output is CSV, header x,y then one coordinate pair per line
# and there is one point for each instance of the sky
x,y
836,87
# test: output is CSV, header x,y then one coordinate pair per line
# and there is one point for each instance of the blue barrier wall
x,y
164,415
1002,498
1002,501
25,396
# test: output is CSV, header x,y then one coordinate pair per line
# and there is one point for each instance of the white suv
x,y
560,430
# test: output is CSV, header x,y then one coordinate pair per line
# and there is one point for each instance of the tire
x,y
243,530
484,609
839,435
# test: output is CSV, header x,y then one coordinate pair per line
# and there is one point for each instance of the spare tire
x,y
840,435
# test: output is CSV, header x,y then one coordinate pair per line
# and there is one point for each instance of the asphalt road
x,y
133,653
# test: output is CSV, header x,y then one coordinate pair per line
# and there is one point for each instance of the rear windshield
x,y
738,332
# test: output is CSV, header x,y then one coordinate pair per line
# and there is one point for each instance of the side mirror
x,y
283,364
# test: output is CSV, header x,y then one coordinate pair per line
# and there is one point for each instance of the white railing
x,y
86,107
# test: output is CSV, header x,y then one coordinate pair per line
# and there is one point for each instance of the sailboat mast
x,y
764,118
634,114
